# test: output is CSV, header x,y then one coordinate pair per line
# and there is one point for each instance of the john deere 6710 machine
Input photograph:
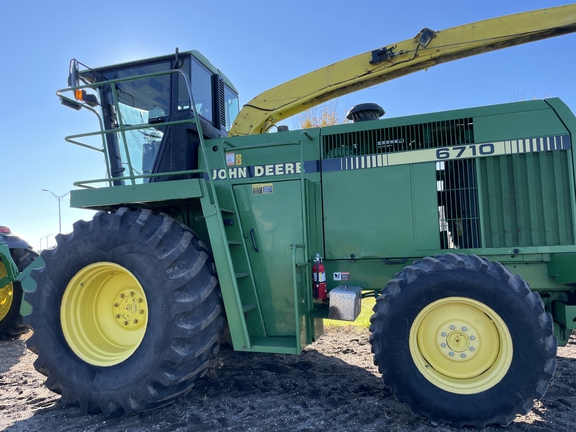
x,y
462,223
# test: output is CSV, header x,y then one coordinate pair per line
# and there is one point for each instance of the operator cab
x,y
157,93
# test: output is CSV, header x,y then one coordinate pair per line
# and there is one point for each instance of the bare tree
x,y
323,115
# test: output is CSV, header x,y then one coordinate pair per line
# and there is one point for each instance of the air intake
x,y
365,112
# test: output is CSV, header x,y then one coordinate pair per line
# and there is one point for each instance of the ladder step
x,y
248,308
227,210
241,275
234,242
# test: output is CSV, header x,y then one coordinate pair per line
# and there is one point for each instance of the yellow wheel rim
x,y
461,345
104,314
6,295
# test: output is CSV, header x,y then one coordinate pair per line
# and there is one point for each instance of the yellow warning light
x,y
87,98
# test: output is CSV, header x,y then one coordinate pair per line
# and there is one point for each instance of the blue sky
x,y
258,44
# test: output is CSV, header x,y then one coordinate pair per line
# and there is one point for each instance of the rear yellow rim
x,y
461,345
6,295
104,314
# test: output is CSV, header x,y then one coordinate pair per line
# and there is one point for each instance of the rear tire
x,y
126,314
11,325
463,341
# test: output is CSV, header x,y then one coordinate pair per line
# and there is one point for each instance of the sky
x,y
258,45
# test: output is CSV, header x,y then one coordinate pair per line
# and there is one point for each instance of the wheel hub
x,y
6,295
460,345
104,314
128,309
458,341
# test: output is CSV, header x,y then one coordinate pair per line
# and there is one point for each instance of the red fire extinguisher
x,y
319,275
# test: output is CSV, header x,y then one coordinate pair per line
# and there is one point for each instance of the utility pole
x,y
59,198
45,237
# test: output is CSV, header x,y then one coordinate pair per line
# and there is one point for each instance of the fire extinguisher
x,y
319,279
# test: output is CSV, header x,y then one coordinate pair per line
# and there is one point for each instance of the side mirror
x,y
73,74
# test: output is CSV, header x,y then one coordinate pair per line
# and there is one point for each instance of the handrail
x,y
302,186
81,183
119,80
295,265
130,128
72,139
122,129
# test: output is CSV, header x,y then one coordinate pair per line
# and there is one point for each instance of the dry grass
x,y
362,322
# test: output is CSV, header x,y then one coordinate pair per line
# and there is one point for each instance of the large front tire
x,y
126,314
463,341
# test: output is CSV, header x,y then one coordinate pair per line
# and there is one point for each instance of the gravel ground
x,y
332,386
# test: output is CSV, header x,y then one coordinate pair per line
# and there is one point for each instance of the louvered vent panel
x,y
399,138
526,200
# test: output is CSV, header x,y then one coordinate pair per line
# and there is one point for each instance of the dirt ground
x,y
332,386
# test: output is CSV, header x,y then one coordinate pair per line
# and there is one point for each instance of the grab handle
x,y
252,236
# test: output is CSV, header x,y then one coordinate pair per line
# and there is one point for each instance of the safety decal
x,y
341,276
262,188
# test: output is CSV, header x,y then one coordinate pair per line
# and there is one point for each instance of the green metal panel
x,y
381,212
273,213
28,284
562,267
266,157
360,210
514,125
476,112
565,314
425,207
159,193
564,114
9,265
369,274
